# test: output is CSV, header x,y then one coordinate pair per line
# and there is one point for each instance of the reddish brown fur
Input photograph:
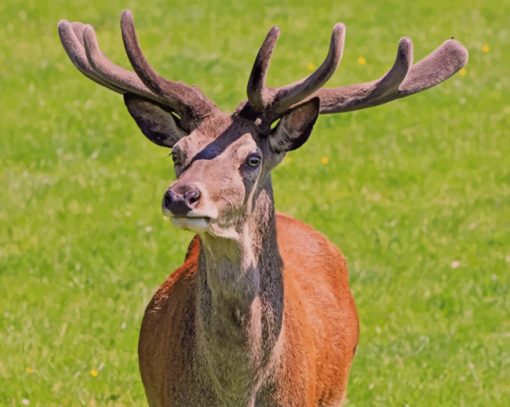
x,y
320,330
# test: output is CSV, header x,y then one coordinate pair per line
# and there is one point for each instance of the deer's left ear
x,y
157,124
295,127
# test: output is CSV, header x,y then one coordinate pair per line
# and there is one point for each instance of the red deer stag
x,y
260,313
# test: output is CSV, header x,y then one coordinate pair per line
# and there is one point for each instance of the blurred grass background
x,y
415,193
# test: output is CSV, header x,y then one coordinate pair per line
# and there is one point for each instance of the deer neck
x,y
240,300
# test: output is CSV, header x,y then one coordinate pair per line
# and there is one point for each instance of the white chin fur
x,y
197,225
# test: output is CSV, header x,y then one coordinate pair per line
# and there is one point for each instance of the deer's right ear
x,y
157,124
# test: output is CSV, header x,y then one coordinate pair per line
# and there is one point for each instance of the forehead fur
x,y
221,130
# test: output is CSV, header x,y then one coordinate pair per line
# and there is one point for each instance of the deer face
x,y
218,176
223,164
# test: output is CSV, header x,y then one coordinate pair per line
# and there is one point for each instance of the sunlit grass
x,y
416,194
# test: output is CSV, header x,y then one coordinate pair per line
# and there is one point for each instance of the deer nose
x,y
182,199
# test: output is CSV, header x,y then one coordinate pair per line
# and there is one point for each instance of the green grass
x,y
411,190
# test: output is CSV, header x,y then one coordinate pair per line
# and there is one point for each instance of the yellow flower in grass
x,y
29,370
310,66
463,72
362,61
94,373
486,48
324,160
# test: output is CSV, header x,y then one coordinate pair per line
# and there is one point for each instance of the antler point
x,y
126,18
274,31
405,46
338,33
460,50
88,35
62,23
405,40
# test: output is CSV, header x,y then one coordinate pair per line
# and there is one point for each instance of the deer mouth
x,y
197,224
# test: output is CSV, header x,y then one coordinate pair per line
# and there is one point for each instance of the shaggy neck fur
x,y
240,305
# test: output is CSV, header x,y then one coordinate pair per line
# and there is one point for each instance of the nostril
x,y
167,198
192,197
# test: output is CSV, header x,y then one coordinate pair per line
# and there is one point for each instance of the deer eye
x,y
253,160
176,156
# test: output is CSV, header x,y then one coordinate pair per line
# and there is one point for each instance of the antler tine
x,y
289,95
110,72
72,40
391,81
188,102
80,43
438,66
400,81
258,94
274,101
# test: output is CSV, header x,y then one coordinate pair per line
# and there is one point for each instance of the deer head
x,y
223,161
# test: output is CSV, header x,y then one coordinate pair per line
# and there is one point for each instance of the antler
x,y
278,100
80,43
403,79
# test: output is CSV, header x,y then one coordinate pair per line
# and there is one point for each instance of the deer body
x,y
288,344
260,313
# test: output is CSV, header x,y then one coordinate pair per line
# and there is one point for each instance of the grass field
x,y
416,194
